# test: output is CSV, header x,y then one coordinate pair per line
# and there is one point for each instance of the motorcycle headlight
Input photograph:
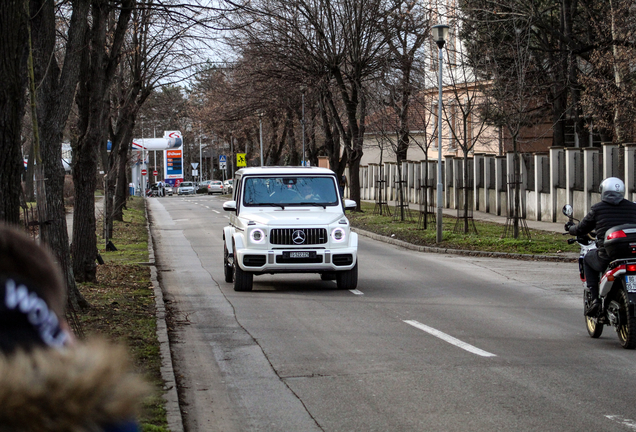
x,y
257,235
338,235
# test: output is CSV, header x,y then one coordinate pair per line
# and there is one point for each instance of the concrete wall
x,y
557,180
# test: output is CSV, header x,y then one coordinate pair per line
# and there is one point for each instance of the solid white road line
x,y
622,420
450,339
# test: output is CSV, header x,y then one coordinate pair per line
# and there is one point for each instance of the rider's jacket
x,y
613,210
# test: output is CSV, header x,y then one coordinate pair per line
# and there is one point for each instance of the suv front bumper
x,y
296,260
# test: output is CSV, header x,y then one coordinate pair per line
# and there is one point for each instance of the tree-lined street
x,y
428,342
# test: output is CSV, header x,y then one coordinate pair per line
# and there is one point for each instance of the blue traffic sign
x,y
222,158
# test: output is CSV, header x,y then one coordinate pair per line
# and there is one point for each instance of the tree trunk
x,y
84,248
13,51
516,180
105,40
109,199
466,200
121,191
56,90
29,187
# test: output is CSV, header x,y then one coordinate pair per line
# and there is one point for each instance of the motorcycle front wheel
x,y
626,329
594,329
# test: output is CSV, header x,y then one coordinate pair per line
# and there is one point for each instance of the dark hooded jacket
x,y
613,210
83,388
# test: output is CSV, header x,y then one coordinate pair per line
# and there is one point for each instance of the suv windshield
x,y
308,191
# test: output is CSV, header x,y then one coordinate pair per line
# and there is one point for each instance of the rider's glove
x,y
568,225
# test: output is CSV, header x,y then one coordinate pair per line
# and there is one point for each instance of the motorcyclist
x,y
612,210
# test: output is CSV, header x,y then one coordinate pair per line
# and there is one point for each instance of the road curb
x,y
170,396
432,249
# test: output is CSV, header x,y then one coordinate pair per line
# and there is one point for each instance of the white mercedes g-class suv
x,y
289,220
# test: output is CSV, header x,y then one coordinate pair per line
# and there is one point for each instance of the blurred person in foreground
x,y
48,380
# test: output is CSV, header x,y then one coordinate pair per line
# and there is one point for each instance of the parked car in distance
x,y
227,186
215,186
203,186
168,190
186,188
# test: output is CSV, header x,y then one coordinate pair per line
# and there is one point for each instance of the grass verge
x,y
488,237
123,306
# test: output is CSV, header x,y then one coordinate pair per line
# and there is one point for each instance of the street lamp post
x,y
440,33
143,159
260,128
303,89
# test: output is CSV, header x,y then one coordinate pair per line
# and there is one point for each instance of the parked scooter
x,y
618,283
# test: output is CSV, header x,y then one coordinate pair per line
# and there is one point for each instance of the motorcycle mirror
x,y
567,210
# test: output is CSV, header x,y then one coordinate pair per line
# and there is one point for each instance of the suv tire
x,y
242,279
348,279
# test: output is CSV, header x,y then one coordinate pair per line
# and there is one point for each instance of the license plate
x,y
299,254
630,283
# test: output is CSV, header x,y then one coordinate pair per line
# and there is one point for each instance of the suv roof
x,y
284,170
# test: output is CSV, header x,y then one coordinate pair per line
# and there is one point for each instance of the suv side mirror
x,y
350,204
229,206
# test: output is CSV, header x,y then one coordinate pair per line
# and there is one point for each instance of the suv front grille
x,y
298,236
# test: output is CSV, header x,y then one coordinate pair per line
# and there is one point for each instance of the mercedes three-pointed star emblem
x,y
298,237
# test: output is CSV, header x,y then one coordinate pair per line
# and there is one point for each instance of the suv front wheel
x,y
242,279
348,279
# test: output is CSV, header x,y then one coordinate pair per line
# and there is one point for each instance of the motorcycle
x,y
617,288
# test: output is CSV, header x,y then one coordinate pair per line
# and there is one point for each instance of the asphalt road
x,y
428,342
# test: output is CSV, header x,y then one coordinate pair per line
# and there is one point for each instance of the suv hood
x,y
286,218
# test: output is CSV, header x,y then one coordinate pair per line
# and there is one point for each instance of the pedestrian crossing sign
x,y
240,160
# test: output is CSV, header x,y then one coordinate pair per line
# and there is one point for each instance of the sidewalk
x,y
170,396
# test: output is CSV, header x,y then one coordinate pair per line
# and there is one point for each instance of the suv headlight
x,y
338,235
257,235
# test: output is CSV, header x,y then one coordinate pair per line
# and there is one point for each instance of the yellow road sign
x,y
240,160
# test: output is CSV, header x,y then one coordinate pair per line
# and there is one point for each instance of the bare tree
x,y
464,108
158,50
562,38
406,30
424,119
330,42
609,93
13,49
56,84
512,92
105,39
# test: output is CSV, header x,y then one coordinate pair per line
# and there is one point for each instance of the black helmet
x,y
612,190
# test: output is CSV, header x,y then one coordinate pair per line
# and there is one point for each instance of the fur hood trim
x,y
78,389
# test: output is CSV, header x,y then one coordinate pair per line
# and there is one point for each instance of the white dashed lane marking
x,y
450,339
624,421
